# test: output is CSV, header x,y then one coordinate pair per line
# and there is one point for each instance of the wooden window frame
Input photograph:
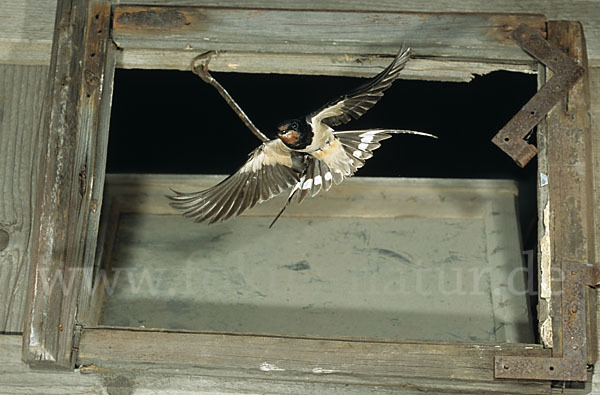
x,y
448,46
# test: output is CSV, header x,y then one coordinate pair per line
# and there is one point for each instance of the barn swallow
x,y
307,155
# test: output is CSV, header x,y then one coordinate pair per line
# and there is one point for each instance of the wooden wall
x,y
26,25
26,28
21,96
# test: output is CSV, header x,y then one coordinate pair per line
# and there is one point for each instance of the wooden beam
x,y
199,29
595,120
26,26
74,138
144,194
23,92
17,378
569,178
354,362
315,64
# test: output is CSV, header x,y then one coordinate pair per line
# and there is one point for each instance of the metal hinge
x,y
572,364
511,137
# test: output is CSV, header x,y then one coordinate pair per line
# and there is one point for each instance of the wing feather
x,y
249,189
228,203
270,170
273,167
357,146
306,182
357,102
264,185
324,180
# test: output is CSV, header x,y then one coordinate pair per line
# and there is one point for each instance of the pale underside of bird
x,y
307,156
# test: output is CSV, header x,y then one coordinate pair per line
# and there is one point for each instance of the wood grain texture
x,y
585,11
93,245
569,175
297,359
21,100
26,25
594,74
594,77
26,30
17,378
457,36
355,197
71,178
315,64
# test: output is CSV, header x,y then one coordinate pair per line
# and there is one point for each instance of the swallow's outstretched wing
x,y
362,99
270,169
324,170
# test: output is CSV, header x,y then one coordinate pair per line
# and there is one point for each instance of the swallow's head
x,y
294,133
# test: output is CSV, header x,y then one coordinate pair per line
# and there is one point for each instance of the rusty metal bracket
x,y
510,138
572,364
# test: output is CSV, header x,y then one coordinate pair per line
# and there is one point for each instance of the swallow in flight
x,y
307,156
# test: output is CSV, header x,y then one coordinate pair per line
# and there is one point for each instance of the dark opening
x,y
173,122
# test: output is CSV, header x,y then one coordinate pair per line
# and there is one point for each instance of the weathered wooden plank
x,y
583,10
315,64
356,197
93,245
300,359
91,304
26,26
460,36
569,175
74,140
17,378
26,30
21,103
594,74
